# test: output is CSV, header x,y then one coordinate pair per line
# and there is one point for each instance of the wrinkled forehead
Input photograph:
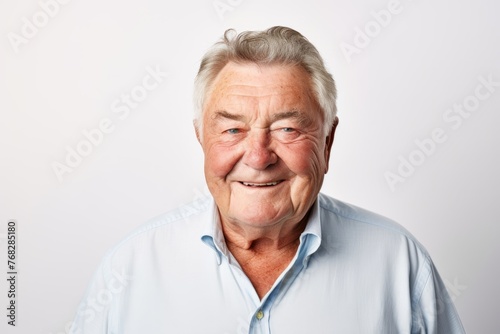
x,y
260,73
250,83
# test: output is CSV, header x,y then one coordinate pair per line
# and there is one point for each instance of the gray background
x,y
393,91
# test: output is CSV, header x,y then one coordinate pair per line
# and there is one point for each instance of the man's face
x,y
265,151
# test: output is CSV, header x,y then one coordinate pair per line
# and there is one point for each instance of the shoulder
x,y
141,260
362,236
368,238
173,219
172,230
351,217
366,244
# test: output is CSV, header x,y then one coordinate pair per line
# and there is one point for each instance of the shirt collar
x,y
310,238
212,234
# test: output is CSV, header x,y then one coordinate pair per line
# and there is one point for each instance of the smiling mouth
x,y
257,185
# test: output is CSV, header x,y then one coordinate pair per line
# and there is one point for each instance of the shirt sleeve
x,y
433,309
95,313
92,315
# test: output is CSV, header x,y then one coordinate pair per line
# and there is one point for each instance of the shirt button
x,y
260,315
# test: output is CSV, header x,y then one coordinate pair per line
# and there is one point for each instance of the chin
x,y
259,215
257,221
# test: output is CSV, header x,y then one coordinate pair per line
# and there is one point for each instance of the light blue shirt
x,y
354,272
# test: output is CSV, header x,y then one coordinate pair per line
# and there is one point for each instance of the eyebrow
x,y
293,114
302,119
224,114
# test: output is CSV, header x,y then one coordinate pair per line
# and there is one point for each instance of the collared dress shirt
x,y
354,272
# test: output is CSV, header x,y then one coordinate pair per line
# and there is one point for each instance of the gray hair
x,y
276,45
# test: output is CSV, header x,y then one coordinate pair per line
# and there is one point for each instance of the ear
x,y
197,131
329,142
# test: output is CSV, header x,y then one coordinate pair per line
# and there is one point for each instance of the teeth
x,y
260,184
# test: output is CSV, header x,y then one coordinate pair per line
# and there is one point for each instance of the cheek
x,y
219,161
304,159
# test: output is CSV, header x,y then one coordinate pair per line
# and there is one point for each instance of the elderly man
x,y
267,253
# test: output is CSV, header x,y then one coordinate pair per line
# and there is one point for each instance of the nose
x,y
258,154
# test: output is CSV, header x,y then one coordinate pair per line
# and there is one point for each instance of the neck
x,y
263,253
262,240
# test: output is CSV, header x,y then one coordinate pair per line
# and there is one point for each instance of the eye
x,y
233,131
286,134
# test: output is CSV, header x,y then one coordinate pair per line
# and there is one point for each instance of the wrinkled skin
x,y
265,150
